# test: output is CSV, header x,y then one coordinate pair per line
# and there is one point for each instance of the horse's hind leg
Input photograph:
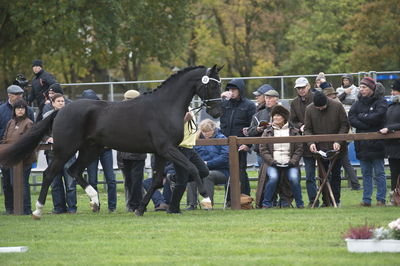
x,y
86,155
157,182
48,176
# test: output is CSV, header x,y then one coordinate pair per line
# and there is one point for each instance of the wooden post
x,y
18,188
234,172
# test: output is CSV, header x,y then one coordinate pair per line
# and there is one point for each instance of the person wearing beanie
x,y
318,80
237,113
326,116
281,158
392,146
41,82
368,114
347,93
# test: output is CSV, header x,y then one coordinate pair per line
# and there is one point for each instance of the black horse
x,y
150,123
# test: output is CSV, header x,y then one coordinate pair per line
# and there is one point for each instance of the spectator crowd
x,y
317,109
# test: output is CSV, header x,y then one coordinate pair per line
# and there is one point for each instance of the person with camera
x,y
282,158
41,82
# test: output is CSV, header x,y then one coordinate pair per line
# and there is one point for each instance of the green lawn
x,y
218,237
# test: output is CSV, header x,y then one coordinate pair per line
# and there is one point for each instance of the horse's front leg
x,y
157,182
48,176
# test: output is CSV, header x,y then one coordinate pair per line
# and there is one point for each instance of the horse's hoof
x,y
94,207
139,213
36,217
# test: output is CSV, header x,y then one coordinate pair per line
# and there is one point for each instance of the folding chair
x,y
324,177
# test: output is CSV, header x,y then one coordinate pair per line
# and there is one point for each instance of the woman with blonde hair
x,y
216,157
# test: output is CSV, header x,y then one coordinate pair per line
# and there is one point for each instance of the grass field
x,y
218,237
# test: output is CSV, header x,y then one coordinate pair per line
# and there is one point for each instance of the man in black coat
x,y
368,115
392,146
41,82
237,112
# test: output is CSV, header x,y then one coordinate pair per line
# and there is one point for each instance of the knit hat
x,y
14,89
131,94
263,89
280,110
272,93
396,85
369,82
320,76
325,85
320,99
37,62
56,88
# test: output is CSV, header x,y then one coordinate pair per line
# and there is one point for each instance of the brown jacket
x,y
267,150
332,120
297,115
14,130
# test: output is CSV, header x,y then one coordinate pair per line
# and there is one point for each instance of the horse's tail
x,y
24,147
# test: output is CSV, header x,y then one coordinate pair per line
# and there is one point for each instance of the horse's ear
x,y
219,68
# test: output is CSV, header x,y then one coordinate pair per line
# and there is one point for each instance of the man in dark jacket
x,y
392,146
297,114
15,93
237,112
41,81
106,159
327,116
368,115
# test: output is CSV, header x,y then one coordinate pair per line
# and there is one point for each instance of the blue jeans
x,y
64,200
309,165
274,174
157,197
106,160
368,168
7,179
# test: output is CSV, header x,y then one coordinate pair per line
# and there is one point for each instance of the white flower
x,y
381,233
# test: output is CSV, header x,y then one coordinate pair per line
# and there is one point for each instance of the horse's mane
x,y
173,77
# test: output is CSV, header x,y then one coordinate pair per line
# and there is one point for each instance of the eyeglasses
x,y
301,88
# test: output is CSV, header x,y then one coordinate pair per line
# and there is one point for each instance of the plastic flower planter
x,y
372,245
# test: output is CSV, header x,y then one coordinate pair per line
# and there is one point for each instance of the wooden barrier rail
x,y
233,143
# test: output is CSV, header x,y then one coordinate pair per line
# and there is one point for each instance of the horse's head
x,y
210,91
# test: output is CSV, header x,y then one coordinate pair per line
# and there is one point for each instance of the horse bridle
x,y
205,80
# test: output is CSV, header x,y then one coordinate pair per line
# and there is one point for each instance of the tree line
x,y
102,40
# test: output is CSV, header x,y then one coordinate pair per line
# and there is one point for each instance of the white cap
x,y
301,82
